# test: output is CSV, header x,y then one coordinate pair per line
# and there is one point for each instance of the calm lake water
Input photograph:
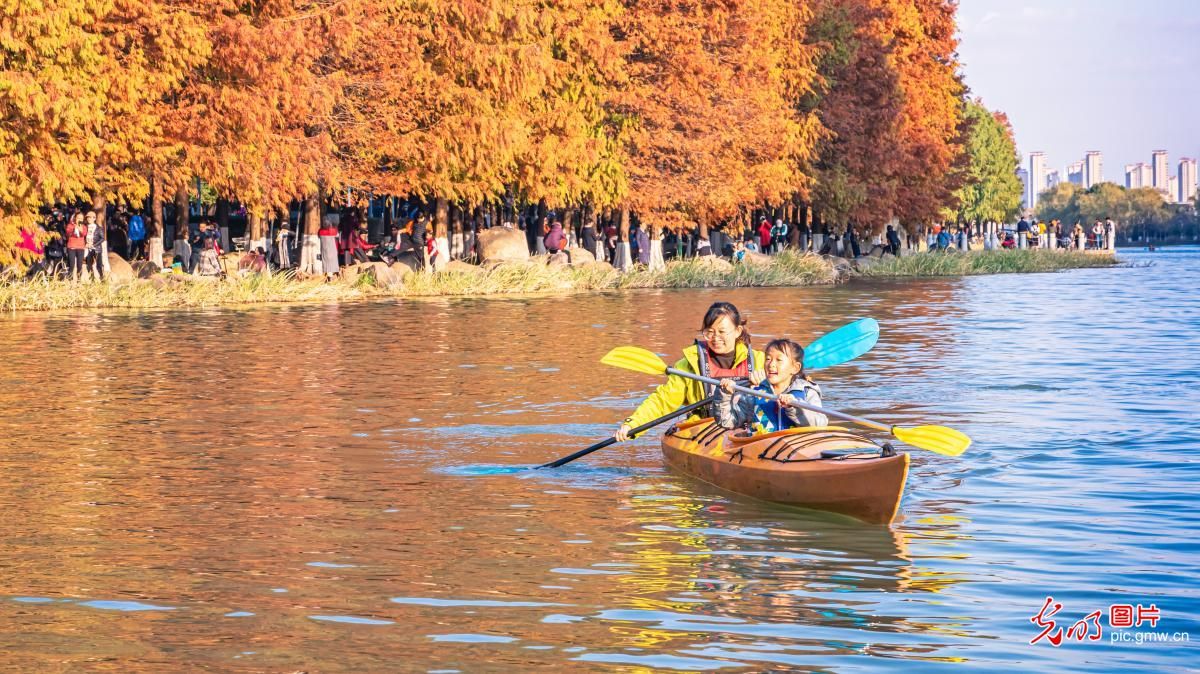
x,y
282,489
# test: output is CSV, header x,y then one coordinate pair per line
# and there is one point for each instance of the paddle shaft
x,y
771,396
640,429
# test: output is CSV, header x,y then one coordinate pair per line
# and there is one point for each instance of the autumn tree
x,y
710,112
51,99
148,48
858,100
931,134
891,96
993,191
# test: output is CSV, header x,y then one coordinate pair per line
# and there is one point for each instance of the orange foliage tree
x,y
709,108
892,99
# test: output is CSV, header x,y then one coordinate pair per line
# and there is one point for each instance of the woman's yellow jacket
x,y
679,391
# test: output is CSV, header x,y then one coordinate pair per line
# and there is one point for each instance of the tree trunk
x,y
310,243
441,226
799,220
154,206
256,228
154,224
181,213
568,224
818,231
622,259
703,223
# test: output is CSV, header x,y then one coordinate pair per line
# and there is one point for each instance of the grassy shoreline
x,y
787,269
1027,261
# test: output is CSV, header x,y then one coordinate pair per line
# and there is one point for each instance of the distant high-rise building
x,y
1133,176
1037,177
1147,174
1093,169
1172,189
1075,173
1053,178
1187,180
1158,165
1023,176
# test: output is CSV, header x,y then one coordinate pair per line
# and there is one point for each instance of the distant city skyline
x,y
1075,76
1175,178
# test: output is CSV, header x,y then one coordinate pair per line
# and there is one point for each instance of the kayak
x,y
824,468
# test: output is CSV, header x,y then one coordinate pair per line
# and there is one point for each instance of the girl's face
x,y
781,368
722,336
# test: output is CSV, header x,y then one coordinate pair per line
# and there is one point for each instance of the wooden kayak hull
x,y
787,467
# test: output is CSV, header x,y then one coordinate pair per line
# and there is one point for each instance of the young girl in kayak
x,y
723,351
785,378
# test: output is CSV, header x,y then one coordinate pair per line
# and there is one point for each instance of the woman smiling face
x,y
722,336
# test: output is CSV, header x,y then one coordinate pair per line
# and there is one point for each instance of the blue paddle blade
x,y
842,345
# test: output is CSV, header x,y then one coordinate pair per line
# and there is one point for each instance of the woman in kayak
x,y
723,352
784,363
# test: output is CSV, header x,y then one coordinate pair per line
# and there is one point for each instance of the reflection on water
x,y
345,488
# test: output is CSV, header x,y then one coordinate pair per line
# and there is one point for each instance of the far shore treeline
x,y
831,112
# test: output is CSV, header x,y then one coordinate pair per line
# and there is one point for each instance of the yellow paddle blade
x,y
937,439
636,359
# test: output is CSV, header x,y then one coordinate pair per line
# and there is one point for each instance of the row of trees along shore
x,y
831,112
1143,213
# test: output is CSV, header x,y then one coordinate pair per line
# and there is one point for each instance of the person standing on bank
x,y
77,244
94,261
137,237
722,351
893,241
589,240
328,236
420,228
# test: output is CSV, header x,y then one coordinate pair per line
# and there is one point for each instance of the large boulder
x,y
119,270
756,259
408,260
877,251
580,255
144,269
714,262
351,272
559,259
499,244
841,265
385,276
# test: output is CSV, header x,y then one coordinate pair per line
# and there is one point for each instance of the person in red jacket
x,y
77,244
764,235
328,236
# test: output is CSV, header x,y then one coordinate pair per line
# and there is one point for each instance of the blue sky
x,y
1122,77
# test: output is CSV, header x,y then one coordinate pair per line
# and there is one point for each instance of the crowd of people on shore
x,y
1035,233
79,240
